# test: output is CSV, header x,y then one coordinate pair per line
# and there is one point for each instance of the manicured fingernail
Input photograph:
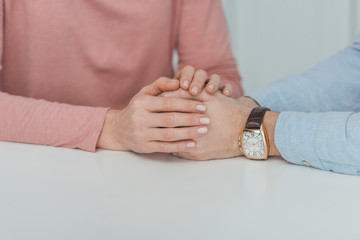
x,y
205,120
195,89
190,145
186,84
211,86
168,94
227,92
201,108
202,130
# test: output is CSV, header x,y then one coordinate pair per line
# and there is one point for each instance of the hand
x,y
247,101
151,123
195,81
228,118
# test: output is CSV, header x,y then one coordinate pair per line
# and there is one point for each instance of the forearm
x,y
327,141
332,85
40,122
203,42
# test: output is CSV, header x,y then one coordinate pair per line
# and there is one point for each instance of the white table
x,y
53,193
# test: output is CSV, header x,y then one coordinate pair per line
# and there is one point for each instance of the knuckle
x,y
187,76
215,76
167,135
179,147
143,89
201,72
137,102
189,106
189,68
161,79
168,120
163,148
167,104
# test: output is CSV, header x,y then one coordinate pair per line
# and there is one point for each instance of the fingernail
x,y
186,84
195,89
190,145
201,108
205,120
211,86
202,130
227,92
168,94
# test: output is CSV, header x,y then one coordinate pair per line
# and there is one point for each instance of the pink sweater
x,y
64,63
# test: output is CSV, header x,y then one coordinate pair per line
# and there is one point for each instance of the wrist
x,y
109,137
269,124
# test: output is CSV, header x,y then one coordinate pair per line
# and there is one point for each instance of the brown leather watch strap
x,y
255,118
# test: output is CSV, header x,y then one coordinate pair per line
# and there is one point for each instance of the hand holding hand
x,y
151,123
195,80
228,117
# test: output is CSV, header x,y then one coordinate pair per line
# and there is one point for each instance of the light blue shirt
x,y
320,120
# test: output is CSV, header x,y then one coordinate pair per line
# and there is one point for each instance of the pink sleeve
x,y
34,121
203,41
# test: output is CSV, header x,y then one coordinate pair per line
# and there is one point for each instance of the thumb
x,y
160,85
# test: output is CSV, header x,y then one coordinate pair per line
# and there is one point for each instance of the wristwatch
x,y
253,140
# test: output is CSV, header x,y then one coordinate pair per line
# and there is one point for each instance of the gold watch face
x,y
253,144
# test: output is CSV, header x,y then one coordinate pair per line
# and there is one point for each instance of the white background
x,y
272,39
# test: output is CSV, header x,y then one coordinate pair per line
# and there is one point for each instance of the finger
x,y
176,134
163,104
198,82
214,84
172,147
170,120
186,76
228,90
177,75
160,85
179,93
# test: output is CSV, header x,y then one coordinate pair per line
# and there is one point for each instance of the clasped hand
x,y
177,116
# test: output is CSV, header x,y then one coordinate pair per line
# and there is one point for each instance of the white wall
x,y
275,38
